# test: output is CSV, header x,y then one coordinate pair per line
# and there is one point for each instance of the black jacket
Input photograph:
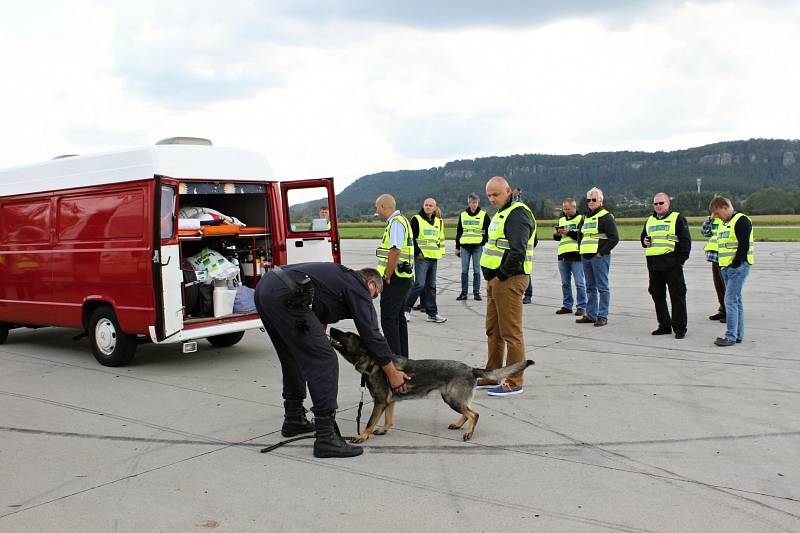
x,y
742,230
460,229
518,229
682,248
414,224
339,293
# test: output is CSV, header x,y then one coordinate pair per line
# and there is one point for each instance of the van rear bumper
x,y
207,331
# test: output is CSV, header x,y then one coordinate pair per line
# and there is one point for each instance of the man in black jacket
x,y
667,243
294,302
598,236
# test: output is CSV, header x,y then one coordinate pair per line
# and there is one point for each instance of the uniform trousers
x,y
393,318
660,281
304,350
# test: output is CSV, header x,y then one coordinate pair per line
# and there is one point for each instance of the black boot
x,y
294,419
328,441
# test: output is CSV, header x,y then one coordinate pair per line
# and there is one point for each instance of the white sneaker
x,y
437,318
408,316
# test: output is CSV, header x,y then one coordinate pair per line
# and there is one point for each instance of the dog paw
x,y
359,438
380,431
467,435
453,426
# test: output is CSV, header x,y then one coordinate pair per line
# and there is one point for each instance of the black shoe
x,y
418,308
579,312
680,334
600,322
294,419
738,341
718,316
526,300
462,296
564,311
328,442
584,320
661,331
476,297
723,319
722,341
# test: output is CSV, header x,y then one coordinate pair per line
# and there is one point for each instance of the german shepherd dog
x,y
454,380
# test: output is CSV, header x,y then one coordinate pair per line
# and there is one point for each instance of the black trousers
x,y
393,321
305,353
660,281
719,286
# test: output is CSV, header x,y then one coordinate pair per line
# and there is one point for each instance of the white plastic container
x,y
223,301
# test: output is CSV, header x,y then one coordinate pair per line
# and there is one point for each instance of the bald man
x,y
396,264
506,262
427,230
667,244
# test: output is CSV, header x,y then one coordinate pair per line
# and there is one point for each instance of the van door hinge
x,y
157,259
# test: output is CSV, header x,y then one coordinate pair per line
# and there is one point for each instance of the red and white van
x,y
92,242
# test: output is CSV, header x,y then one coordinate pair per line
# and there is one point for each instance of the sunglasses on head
x,y
659,203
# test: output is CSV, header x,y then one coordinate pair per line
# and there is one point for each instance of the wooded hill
x,y
629,179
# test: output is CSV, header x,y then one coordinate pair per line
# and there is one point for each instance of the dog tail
x,y
499,374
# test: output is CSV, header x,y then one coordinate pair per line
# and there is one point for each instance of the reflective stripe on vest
x,y
440,224
567,243
711,245
590,238
406,253
728,243
428,240
497,244
662,234
472,227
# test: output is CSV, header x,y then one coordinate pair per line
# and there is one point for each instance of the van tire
x,y
228,339
110,345
4,331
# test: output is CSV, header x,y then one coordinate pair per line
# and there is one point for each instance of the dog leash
x,y
358,422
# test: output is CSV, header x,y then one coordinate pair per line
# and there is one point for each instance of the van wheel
x,y
4,332
110,345
223,341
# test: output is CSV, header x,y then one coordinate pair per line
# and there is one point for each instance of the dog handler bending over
x,y
294,302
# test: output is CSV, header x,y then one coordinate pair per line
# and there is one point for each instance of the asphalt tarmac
x,y
616,429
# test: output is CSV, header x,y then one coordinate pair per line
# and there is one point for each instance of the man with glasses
x,y
597,237
667,244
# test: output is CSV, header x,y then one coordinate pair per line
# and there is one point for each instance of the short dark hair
x,y
371,274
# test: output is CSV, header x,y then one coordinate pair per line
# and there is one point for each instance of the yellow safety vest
x,y
567,243
728,243
590,238
472,227
430,237
497,244
711,245
662,234
440,223
406,253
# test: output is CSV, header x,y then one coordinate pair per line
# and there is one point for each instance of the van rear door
x,y
309,215
168,282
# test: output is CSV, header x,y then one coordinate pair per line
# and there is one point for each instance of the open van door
x,y
167,273
309,214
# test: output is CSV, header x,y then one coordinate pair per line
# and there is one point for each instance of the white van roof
x,y
172,160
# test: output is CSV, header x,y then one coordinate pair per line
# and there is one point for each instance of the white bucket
x,y
223,301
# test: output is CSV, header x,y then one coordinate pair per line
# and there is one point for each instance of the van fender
x,y
92,302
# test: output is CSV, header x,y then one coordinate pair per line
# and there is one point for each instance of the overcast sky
x,y
343,89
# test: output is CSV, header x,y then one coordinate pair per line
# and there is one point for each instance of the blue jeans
x,y
424,285
734,308
474,254
596,273
570,270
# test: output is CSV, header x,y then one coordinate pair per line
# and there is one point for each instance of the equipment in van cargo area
x,y
223,301
99,243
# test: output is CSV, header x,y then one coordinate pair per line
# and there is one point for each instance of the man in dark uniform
x,y
294,302
667,243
